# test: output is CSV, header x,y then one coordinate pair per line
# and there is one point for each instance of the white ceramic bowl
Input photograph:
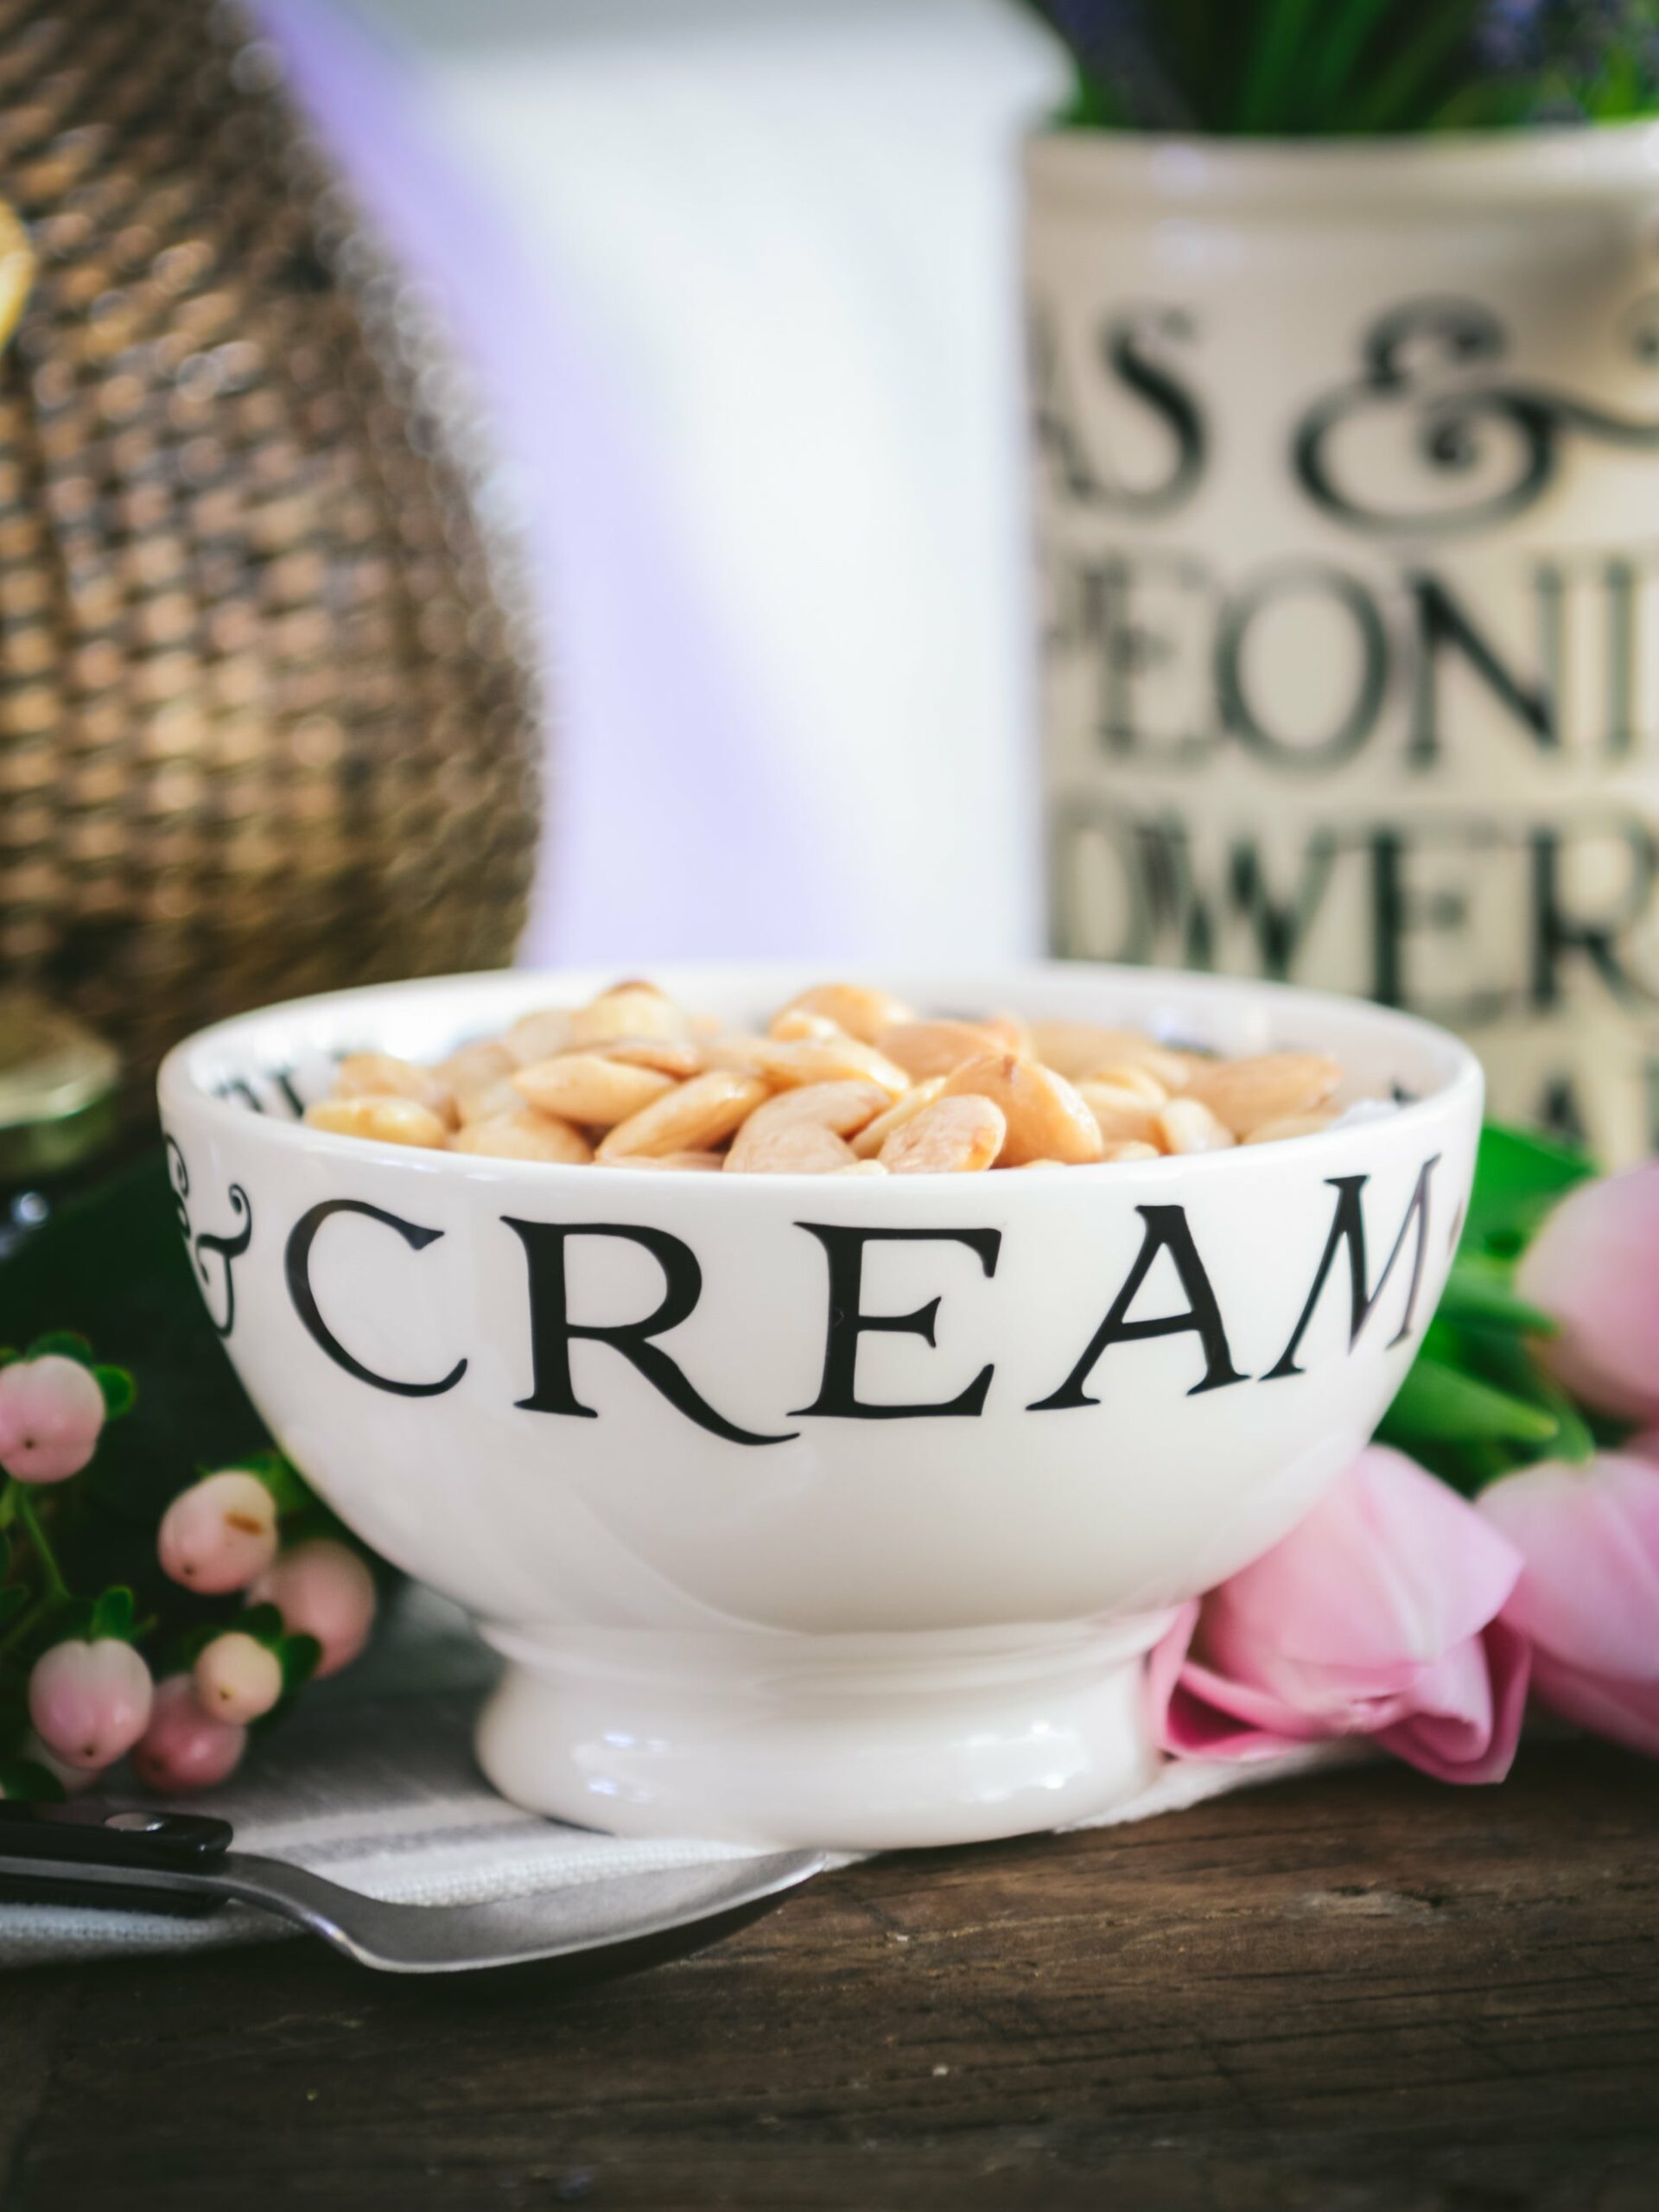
x,y
778,1565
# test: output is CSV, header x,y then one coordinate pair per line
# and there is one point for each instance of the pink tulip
x,y
51,1412
321,1589
89,1702
220,1533
1375,1617
1591,1268
1588,1597
184,1748
237,1678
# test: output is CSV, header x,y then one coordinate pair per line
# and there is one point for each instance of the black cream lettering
x,y
552,1332
1166,1231
297,1263
845,1249
1348,1227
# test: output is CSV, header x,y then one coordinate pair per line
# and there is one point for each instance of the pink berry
x,y
51,1411
219,1533
321,1589
184,1748
89,1702
73,1779
237,1678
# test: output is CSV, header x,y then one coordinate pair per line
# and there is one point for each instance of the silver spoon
x,y
179,1862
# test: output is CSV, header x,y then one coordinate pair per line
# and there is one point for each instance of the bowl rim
x,y
179,1087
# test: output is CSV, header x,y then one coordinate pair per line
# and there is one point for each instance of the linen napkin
x,y
372,1783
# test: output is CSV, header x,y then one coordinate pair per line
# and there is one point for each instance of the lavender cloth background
x,y
662,748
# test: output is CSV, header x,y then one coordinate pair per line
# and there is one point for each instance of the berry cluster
x,y
244,1601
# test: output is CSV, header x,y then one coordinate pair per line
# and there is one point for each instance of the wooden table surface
x,y
1350,1994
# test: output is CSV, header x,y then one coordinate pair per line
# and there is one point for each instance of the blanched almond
x,y
796,1022
1007,1030
584,1087
627,1010
537,1036
924,1049
860,1168
1047,1119
501,1096
668,1055
1132,1151
828,1059
869,1140
689,1117
1124,1116
953,1136
856,1007
474,1068
1078,1048
379,1075
1292,1125
385,1121
1244,1094
1187,1125
524,1135
844,1108
733,1049
788,1148
1121,1075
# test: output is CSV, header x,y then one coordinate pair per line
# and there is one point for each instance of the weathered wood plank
x,y
1364,1992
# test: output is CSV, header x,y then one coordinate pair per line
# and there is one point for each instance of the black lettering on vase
x,y
1129,348
1243,716
1348,1227
844,1249
1402,355
552,1332
227,1250
296,1260
1166,1231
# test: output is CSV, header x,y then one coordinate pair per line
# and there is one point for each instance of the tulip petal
x,y
1592,1266
1470,1704
1589,1591
1625,1711
1389,1570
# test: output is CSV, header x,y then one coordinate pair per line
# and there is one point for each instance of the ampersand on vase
x,y
201,1245
1406,356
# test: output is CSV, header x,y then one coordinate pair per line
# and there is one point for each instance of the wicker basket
x,y
261,728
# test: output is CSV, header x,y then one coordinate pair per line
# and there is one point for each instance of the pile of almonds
x,y
846,1081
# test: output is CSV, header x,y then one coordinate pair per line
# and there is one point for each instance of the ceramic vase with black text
x,y
1347,460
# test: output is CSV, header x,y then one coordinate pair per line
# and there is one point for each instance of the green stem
x,y
24,1626
56,1586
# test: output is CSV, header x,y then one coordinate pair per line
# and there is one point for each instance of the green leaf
x,y
263,1623
298,1655
24,1782
65,1344
112,1616
120,1391
1442,1402
1518,1176
1478,1292
13,1598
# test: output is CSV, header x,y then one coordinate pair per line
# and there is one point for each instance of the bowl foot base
x,y
857,1743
